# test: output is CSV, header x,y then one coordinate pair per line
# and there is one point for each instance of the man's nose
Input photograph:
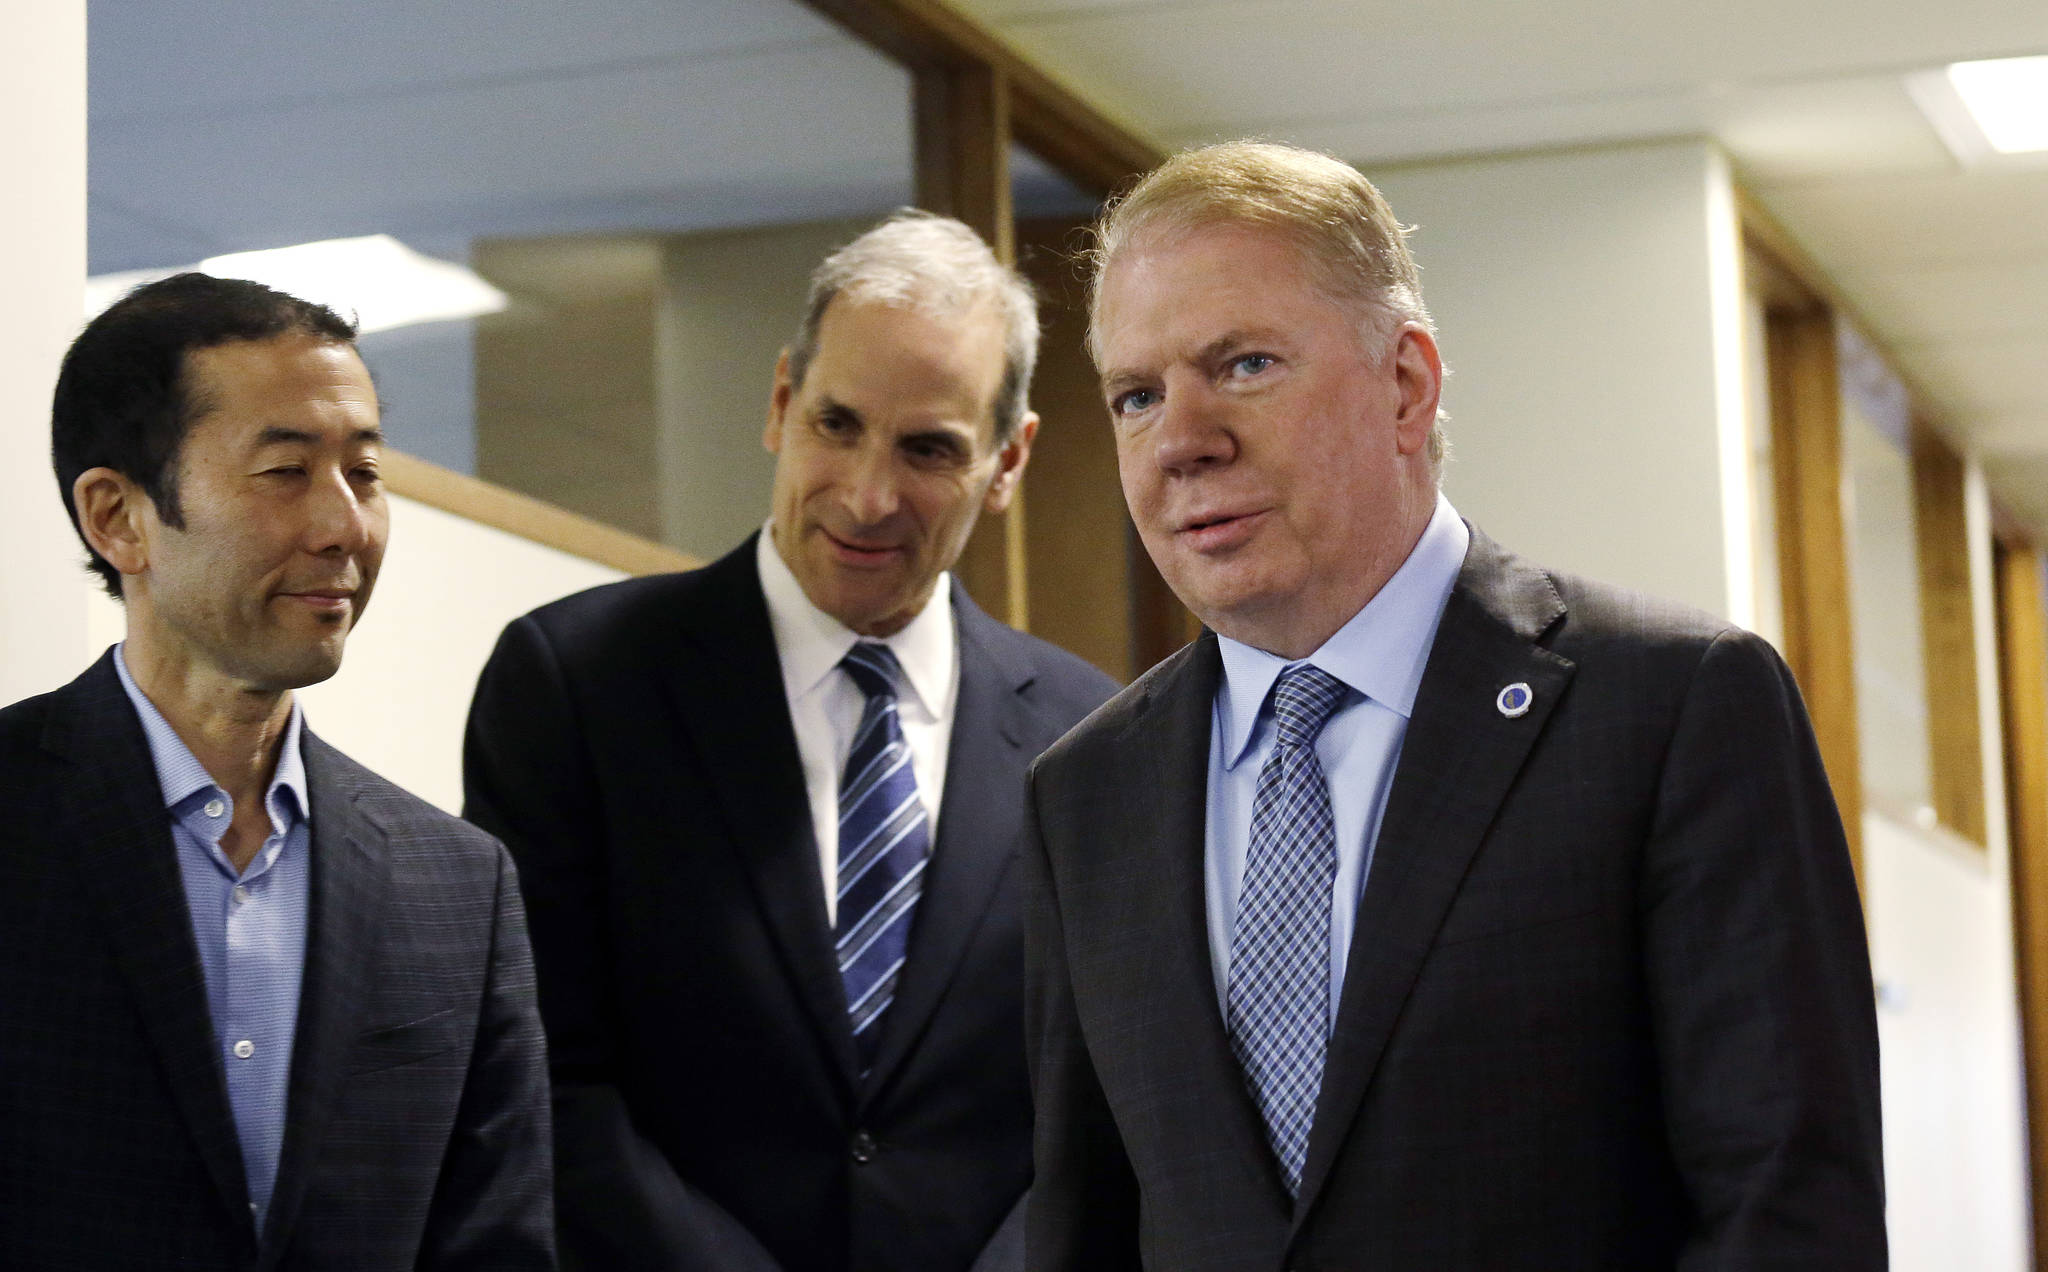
x,y
337,523
1193,430
870,491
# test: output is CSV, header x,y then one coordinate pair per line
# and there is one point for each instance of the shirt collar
x,y
1380,653
811,642
180,773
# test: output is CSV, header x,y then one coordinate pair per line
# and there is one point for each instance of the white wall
x,y
1940,910
1941,948
1589,314
43,589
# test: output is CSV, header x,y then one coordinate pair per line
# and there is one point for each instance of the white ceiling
x,y
1948,269
220,125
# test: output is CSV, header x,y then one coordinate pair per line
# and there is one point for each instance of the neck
x,y
232,729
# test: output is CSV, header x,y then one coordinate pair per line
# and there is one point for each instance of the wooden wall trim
x,y
1948,625
1075,136
2023,683
1806,446
527,517
961,131
961,117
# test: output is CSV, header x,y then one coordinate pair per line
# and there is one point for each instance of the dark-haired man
x,y
259,1008
768,815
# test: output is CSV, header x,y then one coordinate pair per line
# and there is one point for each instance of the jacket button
x,y
864,1148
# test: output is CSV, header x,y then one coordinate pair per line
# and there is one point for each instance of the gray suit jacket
x,y
417,1121
1608,1003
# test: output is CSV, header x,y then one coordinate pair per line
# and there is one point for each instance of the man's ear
x,y
1419,379
778,405
112,512
1010,464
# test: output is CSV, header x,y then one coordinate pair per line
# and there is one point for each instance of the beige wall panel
x,y
565,378
1079,572
44,591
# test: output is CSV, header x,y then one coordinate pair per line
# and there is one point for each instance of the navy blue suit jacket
x,y
1608,1003
632,746
416,1130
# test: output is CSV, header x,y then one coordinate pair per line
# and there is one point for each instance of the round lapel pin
x,y
1515,699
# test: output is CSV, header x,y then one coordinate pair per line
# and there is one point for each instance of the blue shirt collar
x,y
1380,653
180,773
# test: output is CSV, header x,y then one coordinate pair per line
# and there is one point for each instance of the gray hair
x,y
936,265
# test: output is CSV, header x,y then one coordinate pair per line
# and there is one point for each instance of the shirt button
x,y
241,894
215,808
863,1147
244,1049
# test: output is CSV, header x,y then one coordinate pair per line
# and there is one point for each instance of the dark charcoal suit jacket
x,y
1608,1003
633,747
417,1121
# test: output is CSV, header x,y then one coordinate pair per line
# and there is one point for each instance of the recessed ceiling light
x,y
378,279
2008,99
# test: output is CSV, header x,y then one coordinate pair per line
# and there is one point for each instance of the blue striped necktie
x,y
883,836
1280,953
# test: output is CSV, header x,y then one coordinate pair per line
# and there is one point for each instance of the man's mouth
x,y
1216,531
329,600
861,552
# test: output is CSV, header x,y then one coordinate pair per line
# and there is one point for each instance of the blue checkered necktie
x,y
883,835
1280,953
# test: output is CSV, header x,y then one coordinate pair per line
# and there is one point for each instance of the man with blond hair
x,y
767,813
1433,909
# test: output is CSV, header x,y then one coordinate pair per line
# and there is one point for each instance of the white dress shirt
x,y
825,705
1380,654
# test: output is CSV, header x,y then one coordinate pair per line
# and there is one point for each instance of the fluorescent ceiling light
x,y
380,280
2008,99
1991,112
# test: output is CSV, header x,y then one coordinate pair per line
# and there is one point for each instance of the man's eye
x,y
365,473
931,453
285,470
1133,401
1251,364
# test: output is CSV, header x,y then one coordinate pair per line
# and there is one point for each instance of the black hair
x,y
124,398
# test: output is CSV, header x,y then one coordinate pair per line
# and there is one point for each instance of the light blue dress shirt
x,y
1380,654
251,927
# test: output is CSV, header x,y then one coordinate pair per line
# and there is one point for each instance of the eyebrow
x,y
1236,338
1118,379
829,405
278,436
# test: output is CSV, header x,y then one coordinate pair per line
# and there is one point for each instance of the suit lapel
x,y
345,910
130,864
730,702
979,822
1459,758
1163,804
